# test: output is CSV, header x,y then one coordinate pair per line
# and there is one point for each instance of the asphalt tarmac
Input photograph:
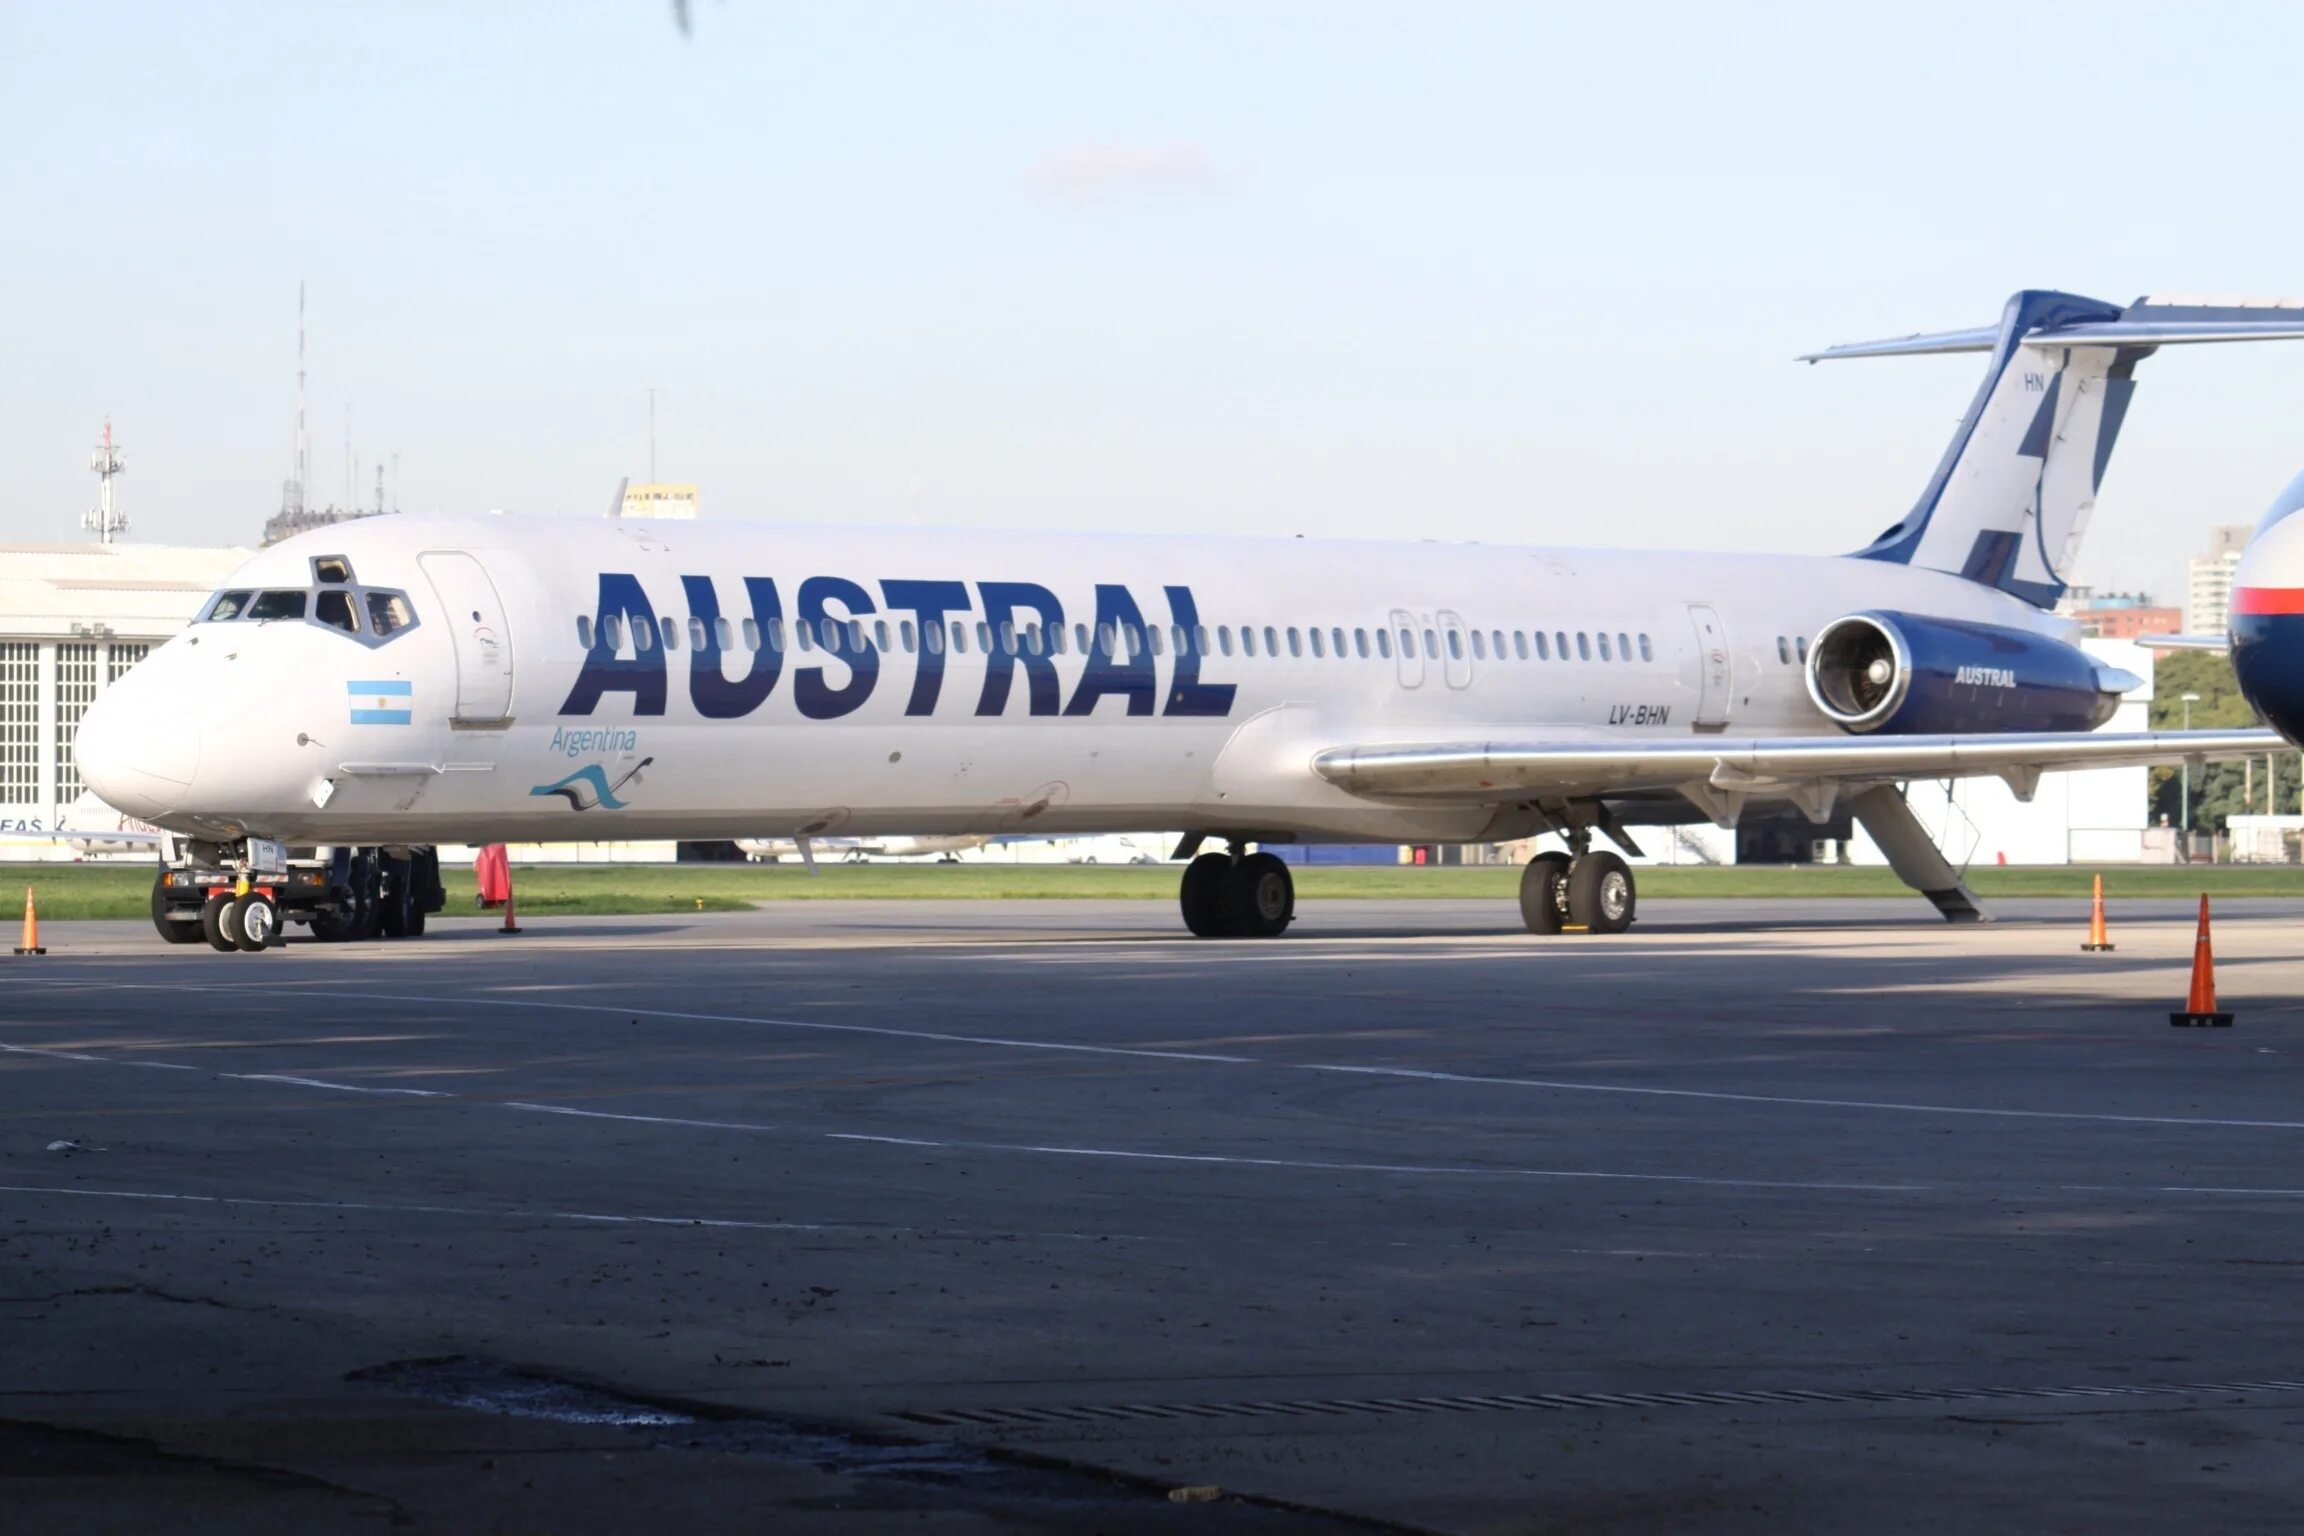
x,y
1767,1217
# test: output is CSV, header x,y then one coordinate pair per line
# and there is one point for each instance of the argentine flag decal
x,y
380,703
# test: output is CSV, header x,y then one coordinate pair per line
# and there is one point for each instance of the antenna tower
x,y
292,494
105,519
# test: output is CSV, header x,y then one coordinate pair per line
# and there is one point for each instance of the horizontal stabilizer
x,y
2152,321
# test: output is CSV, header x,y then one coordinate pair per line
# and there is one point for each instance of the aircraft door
x,y
474,615
1455,650
1715,681
1407,652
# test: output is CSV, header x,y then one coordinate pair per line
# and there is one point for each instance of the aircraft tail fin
x,y
2010,500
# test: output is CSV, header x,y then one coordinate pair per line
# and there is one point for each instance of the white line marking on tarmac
x,y
1403,1073
591,1216
695,1018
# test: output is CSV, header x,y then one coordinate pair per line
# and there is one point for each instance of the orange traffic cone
x,y
2097,943
31,944
511,922
2200,1006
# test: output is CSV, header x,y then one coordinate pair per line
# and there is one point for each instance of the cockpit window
x,y
228,605
331,570
388,613
334,609
278,605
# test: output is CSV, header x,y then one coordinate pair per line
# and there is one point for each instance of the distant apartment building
x,y
2208,594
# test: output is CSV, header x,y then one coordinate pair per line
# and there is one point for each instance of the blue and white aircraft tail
x,y
2010,501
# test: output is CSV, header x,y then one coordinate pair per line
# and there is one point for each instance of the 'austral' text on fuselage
x,y
1119,663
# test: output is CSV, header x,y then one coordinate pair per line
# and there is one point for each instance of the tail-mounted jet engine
x,y
1903,674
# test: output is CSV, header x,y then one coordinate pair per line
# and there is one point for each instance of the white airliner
x,y
360,692
858,849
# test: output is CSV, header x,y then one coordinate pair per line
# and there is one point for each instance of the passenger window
x,y
1431,645
1560,638
611,631
1035,640
1152,638
1360,643
751,634
1603,645
335,570
1496,642
584,630
983,637
388,614
1479,651
1337,636
1224,638
643,633
959,638
671,628
857,644
1295,643
1107,640
1623,646
880,632
1583,646
1181,638
1455,645
278,605
1783,650
1200,639
1800,648
1055,639
775,635
805,633
1007,639
1247,640
904,633
1645,653
1318,650
1384,643
1520,644
335,610
1080,638
723,634
932,639
1543,647
1271,641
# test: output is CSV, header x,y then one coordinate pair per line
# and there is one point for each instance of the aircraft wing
x,y
1707,768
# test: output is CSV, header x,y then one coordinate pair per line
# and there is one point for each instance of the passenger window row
x,y
854,636
1793,650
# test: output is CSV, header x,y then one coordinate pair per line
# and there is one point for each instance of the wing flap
x,y
1503,770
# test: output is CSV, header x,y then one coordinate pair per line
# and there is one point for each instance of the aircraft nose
x,y
138,755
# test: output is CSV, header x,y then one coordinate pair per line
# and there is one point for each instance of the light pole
x,y
2184,813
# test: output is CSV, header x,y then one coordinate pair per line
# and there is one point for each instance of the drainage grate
x,y
1530,1402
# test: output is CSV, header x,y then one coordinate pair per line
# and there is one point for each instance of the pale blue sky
x,y
1452,270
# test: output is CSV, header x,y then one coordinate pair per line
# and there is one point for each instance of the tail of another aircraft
x,y
2010,500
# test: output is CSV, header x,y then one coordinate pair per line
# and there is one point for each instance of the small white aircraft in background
x,y
367,690
858,849
92,829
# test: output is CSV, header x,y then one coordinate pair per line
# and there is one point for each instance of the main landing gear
x,y
1238,896
1591,892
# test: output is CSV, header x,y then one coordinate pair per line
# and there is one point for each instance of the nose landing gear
x,y
242,901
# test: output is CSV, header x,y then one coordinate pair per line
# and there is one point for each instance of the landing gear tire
x,y
1601,896
1261,896
1206,912
171,929
1544,892
252,922
212,912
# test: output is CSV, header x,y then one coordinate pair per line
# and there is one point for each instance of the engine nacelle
x,y
1903,674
